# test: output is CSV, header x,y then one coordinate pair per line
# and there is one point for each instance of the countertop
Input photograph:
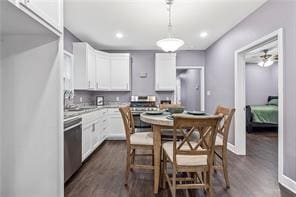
x,y
87,109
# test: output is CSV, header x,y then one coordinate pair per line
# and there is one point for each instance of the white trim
x,y
202,83
288,183
231,148
240,132
116,137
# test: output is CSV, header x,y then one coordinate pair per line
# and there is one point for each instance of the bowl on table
x,y
176,110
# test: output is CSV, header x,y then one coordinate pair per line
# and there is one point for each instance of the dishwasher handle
x,y
73,126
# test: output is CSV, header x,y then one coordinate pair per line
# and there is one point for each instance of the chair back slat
x,y
207,126
224,125
128,122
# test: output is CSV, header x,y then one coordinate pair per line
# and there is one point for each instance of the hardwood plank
x,y
254,175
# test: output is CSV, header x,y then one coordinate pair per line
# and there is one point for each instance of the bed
x,y
262,116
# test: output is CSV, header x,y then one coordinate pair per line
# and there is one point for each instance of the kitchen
x,y
98,100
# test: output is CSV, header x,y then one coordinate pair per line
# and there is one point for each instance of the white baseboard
x,y
288,183
231,148
116,137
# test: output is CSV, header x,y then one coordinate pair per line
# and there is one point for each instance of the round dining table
x,y
158,122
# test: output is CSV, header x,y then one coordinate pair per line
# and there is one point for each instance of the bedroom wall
x,y
260,83
220,66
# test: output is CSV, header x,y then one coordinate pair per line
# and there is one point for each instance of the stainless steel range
x,y
140,104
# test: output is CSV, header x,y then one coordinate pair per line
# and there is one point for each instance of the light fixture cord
x,y
170,26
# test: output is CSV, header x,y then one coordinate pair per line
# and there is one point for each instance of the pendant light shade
x,y
170,44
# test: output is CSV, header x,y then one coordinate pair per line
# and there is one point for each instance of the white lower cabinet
x,y
96,136
97,126
116,126
87,141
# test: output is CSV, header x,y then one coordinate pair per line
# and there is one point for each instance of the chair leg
x,y
152,156
128,160
164,167
174,182
209,183
225,168
214,163
133,158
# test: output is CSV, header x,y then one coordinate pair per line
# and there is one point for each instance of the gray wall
x,y
69,38
220,66
260,83
142,61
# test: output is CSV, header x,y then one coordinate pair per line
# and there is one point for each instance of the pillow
x,y
273,102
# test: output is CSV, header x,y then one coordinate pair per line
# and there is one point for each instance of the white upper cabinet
x,y
102,71
97,70
120,72
68,71
91,68
165,71
84,66
49,11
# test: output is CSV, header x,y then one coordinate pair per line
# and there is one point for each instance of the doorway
x,y
240,94
190,87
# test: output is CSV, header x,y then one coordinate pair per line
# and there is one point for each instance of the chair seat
x,y
219,141
142,138
185,160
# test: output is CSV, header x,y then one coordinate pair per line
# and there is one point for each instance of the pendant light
x,y
170,44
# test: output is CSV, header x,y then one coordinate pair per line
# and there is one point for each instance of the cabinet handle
x,y
88,84
127,86
97,85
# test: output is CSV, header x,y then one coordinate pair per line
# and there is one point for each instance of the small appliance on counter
x,y
100,101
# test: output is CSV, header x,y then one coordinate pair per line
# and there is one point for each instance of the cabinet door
x,y
91,69
102,72
120,72
86,141
165,71
49,11
68,71
96,138
116,127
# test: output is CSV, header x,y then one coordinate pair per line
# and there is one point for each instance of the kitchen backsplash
x,y
84,97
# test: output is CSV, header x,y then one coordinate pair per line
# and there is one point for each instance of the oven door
x,y
139,124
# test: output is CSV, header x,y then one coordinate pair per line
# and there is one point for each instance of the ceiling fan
x,y
266,59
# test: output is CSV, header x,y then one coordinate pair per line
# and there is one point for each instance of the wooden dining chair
x,y
192,158
220,159
167,133
135,141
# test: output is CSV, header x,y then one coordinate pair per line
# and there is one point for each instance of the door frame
x,y
202,84
240,99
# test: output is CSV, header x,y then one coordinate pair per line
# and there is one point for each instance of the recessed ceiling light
x,y
119,35
203,34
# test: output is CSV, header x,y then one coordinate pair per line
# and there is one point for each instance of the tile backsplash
x,y
84,97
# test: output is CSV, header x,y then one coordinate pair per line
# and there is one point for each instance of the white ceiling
x,y
143,22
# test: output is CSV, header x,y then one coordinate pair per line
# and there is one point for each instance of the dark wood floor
x,y
254,175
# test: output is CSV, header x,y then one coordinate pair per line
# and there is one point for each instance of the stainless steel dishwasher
x,y
72,146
